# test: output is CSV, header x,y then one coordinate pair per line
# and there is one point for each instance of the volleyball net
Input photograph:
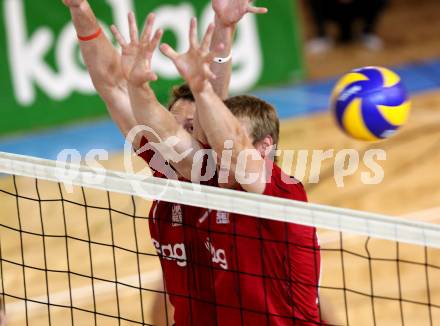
x,y
75,248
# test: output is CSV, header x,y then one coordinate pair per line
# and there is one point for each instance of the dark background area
x,y
410,30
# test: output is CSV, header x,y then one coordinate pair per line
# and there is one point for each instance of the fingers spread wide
x,y
206,42
156,39
193,33
133,27
256,10
168,51
118,36
148,28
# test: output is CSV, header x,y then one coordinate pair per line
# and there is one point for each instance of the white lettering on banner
x,y
175,252
26,57
120,10
27,51
218,256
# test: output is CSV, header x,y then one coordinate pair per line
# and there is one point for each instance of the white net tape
x,y
278,209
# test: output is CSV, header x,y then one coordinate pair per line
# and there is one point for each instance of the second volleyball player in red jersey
x,y
265,272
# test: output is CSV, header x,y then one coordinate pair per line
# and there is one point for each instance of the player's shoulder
x,y
280,184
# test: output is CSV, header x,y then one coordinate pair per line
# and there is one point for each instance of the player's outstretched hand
x,y
73,3
142,51
193,65
129,50
230,12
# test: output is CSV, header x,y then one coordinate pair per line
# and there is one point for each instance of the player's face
x,y
184,112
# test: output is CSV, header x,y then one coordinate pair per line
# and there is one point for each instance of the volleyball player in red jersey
x,y
265,272
172,226
109,72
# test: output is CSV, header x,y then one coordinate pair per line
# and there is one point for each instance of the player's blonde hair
x,y
262,116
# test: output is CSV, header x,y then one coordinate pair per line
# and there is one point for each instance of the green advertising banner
x,y
44,82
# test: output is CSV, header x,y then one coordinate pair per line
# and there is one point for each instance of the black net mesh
x,y
86,257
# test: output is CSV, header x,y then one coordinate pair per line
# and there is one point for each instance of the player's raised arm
x,y
173,142
227,15
217,121
103,63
